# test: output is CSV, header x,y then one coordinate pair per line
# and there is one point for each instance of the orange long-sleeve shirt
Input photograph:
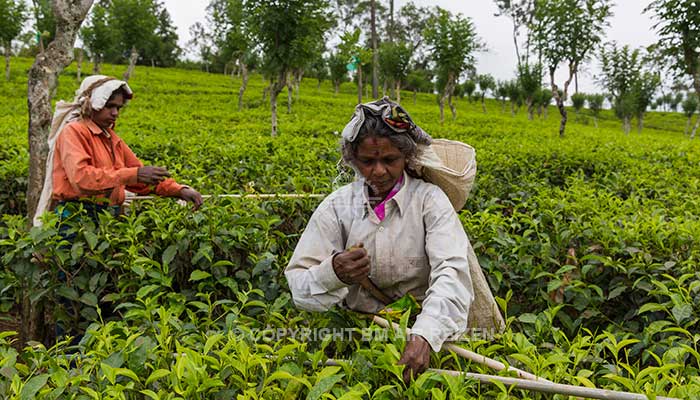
x,y
87,162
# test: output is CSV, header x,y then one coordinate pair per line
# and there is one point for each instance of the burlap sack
x,y
451,165
484,314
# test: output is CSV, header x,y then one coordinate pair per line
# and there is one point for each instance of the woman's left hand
x,y
191,195
416,357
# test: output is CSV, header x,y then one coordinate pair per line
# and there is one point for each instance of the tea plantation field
x,y
590,242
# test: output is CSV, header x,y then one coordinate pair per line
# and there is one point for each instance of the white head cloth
x,y
67,112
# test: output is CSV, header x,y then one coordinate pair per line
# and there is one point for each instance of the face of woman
x,y
380,163
106,117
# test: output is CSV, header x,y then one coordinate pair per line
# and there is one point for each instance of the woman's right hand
x,y
151,175
352,265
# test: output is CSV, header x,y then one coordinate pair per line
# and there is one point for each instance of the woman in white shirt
x,y
388,227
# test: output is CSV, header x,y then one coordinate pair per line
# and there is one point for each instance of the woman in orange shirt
x,y
89,161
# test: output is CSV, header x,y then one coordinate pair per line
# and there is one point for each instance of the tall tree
x,y
356,54
644,88
521,13
578,100
231,37
338,70
565,32
375,49
13,14
45,22
202,43
42,81
621,69
678,26
135,23
98,37
530,81
453,41
409,27
595,104
486,82
394,58
289,33
163,49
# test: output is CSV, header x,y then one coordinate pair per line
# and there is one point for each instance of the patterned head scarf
x,y
393,115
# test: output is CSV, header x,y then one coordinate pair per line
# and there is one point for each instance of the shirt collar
x,y
96,130
400,198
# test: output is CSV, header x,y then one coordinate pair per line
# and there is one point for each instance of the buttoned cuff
x,y
432,330
128,176
324,279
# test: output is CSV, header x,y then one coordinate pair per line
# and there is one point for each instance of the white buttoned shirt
x,y
420,248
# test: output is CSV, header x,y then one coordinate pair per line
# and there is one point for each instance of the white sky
x,y
627,26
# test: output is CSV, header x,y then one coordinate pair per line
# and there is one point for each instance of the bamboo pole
x,y
469,355
538,386
247,196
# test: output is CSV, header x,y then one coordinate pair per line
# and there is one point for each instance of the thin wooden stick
x,y
248,196
539,386
469,355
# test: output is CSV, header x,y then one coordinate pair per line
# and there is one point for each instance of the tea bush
x,y
590,243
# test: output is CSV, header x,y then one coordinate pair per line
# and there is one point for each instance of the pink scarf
x,y
380,209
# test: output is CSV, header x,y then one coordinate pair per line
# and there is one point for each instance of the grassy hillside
x,y
590,241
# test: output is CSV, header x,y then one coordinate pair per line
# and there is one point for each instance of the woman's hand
x,y
416,357
191,195
151,175
352,266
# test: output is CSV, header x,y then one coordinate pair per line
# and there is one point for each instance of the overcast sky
x,y
627,26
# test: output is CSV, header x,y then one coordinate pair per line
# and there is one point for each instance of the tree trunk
x,y
267,90
687,125
398,91
442,110
8,54
244,85
359,83
447,95
640,123
132,63
595,121
80,64
336,86
298,76
483,104
414,97
512,109
391,21
503,106
290,91
626,125
530,108
42,81
375,53
96,66
559,98
695,127
275,89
